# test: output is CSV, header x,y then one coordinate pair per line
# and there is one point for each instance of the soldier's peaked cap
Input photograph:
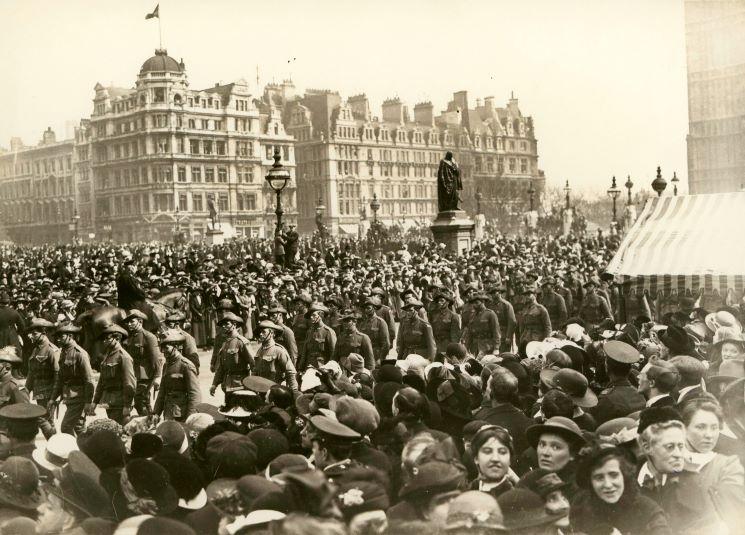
x,y
258,384
22,411
621,351
333,430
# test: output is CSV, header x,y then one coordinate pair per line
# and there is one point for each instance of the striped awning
x,y
684,244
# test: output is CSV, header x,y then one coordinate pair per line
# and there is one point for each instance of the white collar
x,y
646,473
197,502
485,486
685,390
650,401
699,460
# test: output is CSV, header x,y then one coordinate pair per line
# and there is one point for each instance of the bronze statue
x,y
213,213
448,184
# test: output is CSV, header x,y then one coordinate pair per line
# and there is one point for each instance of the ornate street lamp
x,y
659,184
375,206
278,177
75,220
531,194
613,193
567,190
674,181
629,184
479,196
320,208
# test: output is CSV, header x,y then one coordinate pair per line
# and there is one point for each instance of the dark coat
x,y
632,515
509,417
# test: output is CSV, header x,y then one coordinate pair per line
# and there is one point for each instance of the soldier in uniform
x,y
300,323
505,315
75,385
385,312
179,392
320,340
445,323
117,384
375,328
594,308
223,307
142,346
43,369
333,317
11,324
352,340
533,322
553,302
564,292
20,425
234,360
273,362
332,444
619,398
285,338
174,322
10,391
482,336
415,335
468,311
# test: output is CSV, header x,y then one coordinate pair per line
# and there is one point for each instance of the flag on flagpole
x,y
154,14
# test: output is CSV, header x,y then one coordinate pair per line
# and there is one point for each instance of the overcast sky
x,y
604,80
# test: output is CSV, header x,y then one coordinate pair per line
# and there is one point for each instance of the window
x,y
182,174
269,152
160,95
209,174
196,174
192,123
222,174
205,124
182,203
218,125
220,147
250,201
194,146
222,202
196,202
243,149
207,147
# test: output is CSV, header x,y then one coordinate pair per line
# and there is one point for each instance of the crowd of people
x,y
510,389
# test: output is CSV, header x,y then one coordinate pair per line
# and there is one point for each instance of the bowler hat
x,y
557,425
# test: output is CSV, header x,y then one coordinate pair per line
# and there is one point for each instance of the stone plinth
x,y
455,229
215,236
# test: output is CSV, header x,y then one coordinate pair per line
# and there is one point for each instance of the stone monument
x,y
452,226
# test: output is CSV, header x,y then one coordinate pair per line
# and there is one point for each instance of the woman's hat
x,y
557,425
54,454
19,484
722,318
475,510
572,383
78,487
523,508
541,481
618,431
434,477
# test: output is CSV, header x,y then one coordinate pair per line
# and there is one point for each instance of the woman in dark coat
x,y
610,499
492,451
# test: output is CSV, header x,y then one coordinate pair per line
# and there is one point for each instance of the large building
x,y
150,161
715,41
345,156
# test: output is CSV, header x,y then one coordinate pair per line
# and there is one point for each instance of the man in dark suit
x,y
499,410
656,381
691,372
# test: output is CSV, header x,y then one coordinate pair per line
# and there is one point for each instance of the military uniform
x,y
273,362
190,348
319,346
385,312
43,369
116,386
179,391
20,426
556,307
593,310
533,323
376,329
619,399
445,328
234,362
566,294
142,346
355,342
11,392
287,340
483,336
76,387
507,322
300,327
415,336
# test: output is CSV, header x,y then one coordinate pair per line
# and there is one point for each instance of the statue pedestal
x,y
215,236
455,229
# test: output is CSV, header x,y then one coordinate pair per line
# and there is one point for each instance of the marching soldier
x,y
385,312
333,316
272,360
482,336
75,384
553,302
142,346
375,328
353,341
533,322
320,341
234,360
300,323
10,391
174,322
117,384
564,292
415,335
43,368
285,338
179,392
445,323
505,315
594,308
468,311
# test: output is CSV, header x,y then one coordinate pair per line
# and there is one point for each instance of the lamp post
x,y
659,184
567,190
75,220
375,206
278,177
531,194
320,208
674,181
613,193
479,196
629,184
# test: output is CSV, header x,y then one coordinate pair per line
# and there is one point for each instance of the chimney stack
x,y
423,114
48,137
393,111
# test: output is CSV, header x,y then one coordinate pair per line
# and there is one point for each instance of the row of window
x,y
164,202
39,168
132,176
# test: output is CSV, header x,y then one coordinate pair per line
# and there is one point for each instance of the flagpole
x,y
160,34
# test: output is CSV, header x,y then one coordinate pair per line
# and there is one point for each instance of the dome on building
x,y
161,62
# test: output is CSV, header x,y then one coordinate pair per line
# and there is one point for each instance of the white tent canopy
x,y
684,244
